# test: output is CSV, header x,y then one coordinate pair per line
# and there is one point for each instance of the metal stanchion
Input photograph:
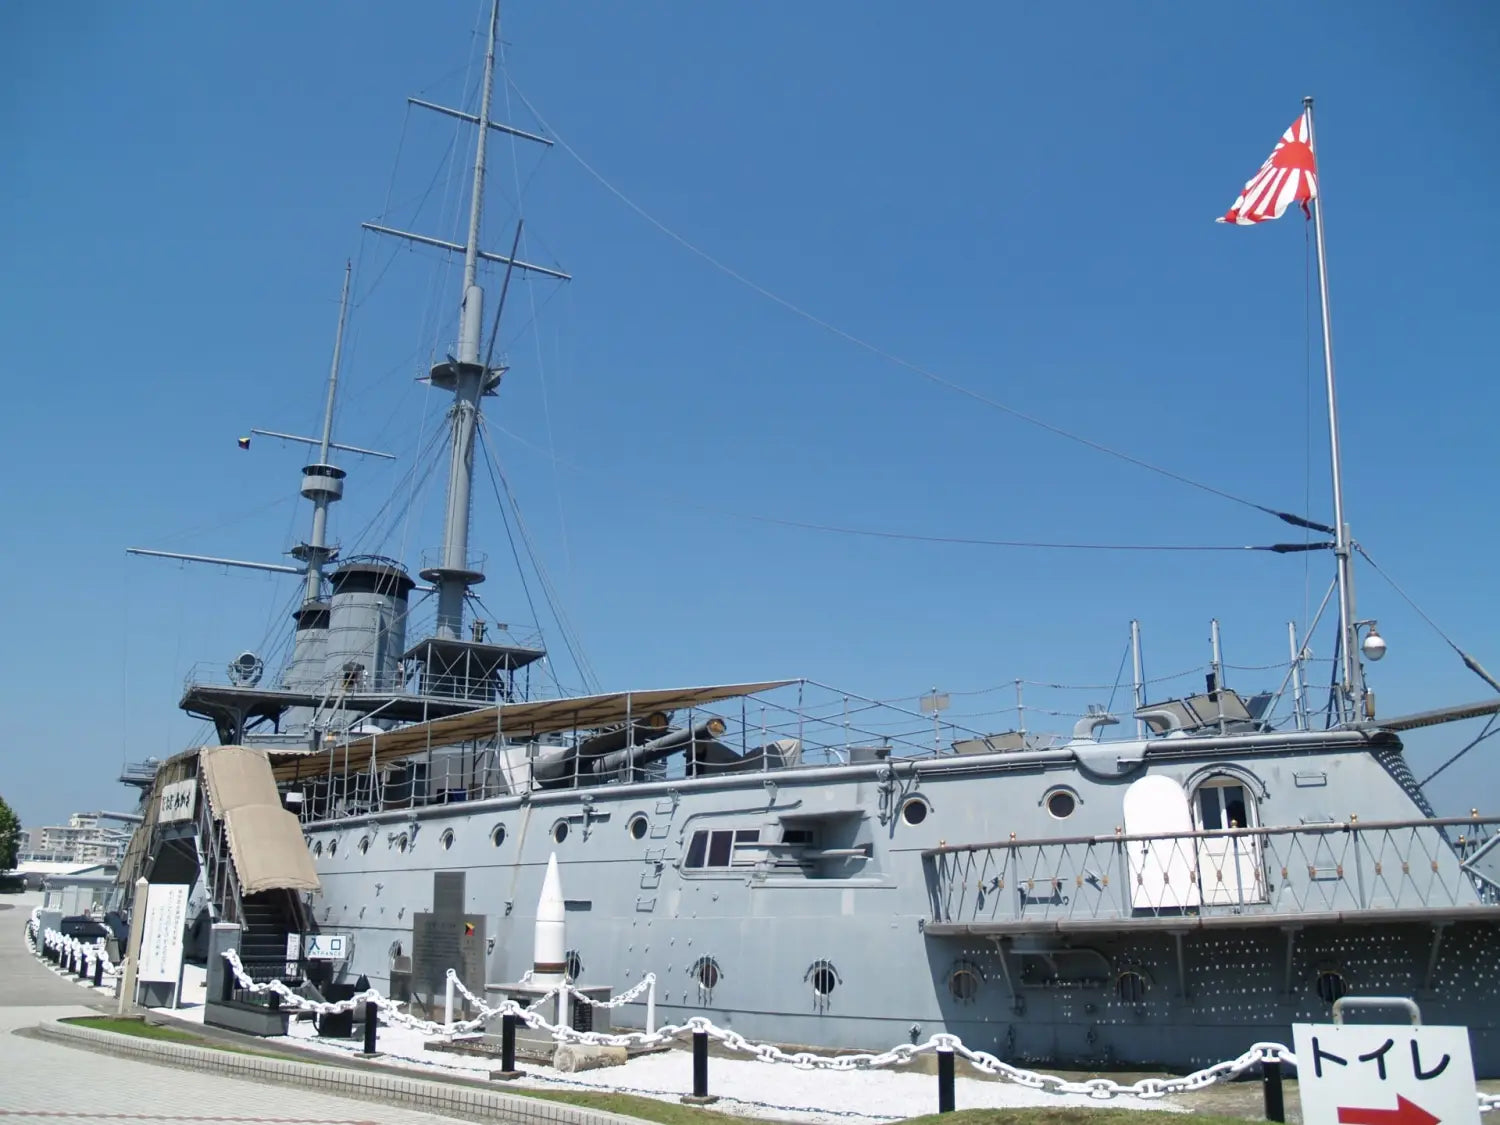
x,y
700,1094
372,1020
507,1069
945,1081
1270,1077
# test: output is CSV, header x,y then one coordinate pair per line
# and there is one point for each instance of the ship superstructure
x,y
809,867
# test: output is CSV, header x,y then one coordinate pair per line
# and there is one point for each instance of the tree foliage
x,y
10,836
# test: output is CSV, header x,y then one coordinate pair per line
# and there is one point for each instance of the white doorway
x,y
1230,867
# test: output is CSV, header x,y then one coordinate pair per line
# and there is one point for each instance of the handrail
x,y
1221,834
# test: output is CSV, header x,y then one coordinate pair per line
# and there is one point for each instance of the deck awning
x,y
520,721
265,841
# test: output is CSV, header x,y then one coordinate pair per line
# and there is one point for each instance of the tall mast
x,y
1351,686
322,483
466,375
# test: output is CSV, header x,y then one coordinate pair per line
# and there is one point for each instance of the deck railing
x,y
1297,870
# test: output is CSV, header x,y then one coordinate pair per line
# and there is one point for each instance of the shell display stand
x,y
538,1045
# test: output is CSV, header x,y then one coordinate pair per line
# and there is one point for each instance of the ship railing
x,y
1308,869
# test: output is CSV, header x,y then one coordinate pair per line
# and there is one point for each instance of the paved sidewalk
x,y
43,1082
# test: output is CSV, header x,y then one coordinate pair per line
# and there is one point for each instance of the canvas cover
x,y
265,841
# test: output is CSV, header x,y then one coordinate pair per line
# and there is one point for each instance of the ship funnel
x,y
549,962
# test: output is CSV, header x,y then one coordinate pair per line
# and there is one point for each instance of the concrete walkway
x,y
44,1081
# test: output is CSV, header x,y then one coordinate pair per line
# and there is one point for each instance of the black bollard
x,y
99,969
700,1094
507,1069
700,1064
371,1021
1270,1077
945,1081
273,1001
227,991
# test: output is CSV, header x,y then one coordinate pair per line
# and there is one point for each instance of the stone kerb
x,y
454,1099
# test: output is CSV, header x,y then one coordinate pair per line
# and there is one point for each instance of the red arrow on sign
x,y
1405,1113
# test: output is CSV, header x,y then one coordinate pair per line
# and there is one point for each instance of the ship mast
x,y
466,375
323,483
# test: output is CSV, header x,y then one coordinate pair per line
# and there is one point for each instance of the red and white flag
x,y
1290,174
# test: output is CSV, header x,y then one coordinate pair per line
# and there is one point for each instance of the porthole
x,y
705,971
318,847
638,827
823,977
964,982
446,839
1061,803
560,831
1330,986
914,811
402,842
497,835
1131,987
364,844
574,964
333,848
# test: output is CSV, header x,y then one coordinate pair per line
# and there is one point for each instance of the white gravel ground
x,y
746,1087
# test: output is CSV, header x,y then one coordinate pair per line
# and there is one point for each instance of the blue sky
x,y
1017,197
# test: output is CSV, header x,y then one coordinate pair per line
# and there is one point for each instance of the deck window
x,y
718,848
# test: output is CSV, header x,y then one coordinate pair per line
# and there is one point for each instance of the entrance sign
x,y
161,933
1385,1074
327,947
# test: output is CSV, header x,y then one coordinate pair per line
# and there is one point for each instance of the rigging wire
x,y
1469,662
891,357
1487,732
878,533
514,553
554,603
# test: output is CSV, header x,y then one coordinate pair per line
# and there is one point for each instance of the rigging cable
x,y
893,358
1480,737
1469,662
876,533
570,639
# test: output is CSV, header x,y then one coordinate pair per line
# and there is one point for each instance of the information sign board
x,y
293,953
161,933
1385,1074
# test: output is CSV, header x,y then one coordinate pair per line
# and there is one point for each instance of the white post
x,y
133,946
651,1004
448,1003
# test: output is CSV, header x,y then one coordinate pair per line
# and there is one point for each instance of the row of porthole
x,y
401,843
822,975
637,826
1060,804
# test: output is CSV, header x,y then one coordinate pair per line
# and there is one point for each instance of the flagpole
x,y
1351,693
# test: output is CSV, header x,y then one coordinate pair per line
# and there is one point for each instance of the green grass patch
x,y
126,1025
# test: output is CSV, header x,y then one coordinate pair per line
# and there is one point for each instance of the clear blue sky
x,y
1018,197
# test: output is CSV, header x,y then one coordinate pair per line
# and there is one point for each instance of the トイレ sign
x,y
1384,1074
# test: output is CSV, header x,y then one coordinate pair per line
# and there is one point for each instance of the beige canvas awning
x,y
265,841
509,720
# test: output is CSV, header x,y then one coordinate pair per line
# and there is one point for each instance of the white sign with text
x,y
327,947
1385,1074
161,933
178,801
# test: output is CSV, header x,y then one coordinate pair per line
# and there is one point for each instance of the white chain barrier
x,y
1101,1089
72,951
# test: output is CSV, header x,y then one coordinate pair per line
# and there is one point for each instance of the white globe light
x,y
1373,646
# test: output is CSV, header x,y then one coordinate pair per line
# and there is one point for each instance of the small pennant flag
x,y
243,443
1289,174
468,929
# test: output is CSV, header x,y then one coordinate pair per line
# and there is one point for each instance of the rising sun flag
x,y
1290,174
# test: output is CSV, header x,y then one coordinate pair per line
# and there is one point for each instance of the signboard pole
x,y
126,997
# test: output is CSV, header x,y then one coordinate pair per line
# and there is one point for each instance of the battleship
x,y
792,861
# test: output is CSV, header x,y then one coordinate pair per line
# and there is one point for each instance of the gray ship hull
x,y
865,932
